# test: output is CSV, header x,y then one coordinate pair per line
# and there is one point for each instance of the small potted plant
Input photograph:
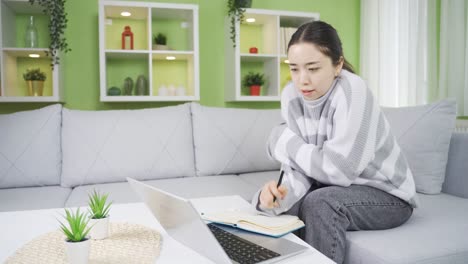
x,y
99,214
254,81
77,242
35,79
160,41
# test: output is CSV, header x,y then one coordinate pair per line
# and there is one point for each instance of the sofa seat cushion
x,y
108,146
436,233
32,198
187,187
119,192
258,179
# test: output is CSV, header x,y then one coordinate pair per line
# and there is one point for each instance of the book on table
x,y
254,221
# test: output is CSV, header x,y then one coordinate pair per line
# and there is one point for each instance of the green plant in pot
x,y
35,80
99,214
254,81
160,42
236,10
76,231
55,9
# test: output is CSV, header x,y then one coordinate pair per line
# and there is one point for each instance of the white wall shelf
x,y
173,73
267,34
14,57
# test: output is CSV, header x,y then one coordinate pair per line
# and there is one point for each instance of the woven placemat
x,y
127,243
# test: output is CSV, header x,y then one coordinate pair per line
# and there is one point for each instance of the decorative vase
x,y
253,50
162,91
128,86
78,252
172,90
114,91
99,228
141,87
180,91
35,88
31,37
255,89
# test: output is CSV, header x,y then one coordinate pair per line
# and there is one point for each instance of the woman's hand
x,y
269,192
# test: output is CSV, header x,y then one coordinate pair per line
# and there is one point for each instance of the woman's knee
x,y
321,202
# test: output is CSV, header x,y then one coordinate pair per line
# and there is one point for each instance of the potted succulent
x,y
99,215
77,242
35,79
236,10
254,81
160,41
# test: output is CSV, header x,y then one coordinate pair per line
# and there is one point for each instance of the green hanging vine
x,y
55,9
236,10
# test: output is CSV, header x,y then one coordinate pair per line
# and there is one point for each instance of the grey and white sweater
x,y
342,138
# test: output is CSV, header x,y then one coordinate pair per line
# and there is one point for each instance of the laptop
x,y
219,243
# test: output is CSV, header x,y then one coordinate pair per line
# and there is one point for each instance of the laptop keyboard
x,y
239,249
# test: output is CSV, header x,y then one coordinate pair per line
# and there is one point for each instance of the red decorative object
x,y
255,89
127,38
253,50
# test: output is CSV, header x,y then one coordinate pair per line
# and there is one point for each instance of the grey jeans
x,y
329,211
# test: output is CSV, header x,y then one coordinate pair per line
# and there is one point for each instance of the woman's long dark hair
x,y
325,37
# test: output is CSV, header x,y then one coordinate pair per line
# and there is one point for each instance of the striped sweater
x,y
341,138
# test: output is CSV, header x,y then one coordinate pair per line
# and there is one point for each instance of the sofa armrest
x,y
456,173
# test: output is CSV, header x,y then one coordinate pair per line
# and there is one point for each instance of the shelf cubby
x,y
175,65
15,56
266,34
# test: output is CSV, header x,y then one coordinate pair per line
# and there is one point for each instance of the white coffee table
x,y
19,227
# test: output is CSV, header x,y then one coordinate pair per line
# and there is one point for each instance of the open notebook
x,y
254,221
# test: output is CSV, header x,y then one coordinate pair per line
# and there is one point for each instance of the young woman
x,y
343,169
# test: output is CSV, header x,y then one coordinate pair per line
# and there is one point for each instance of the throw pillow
x,y
230,140
30,152
423,133
108,146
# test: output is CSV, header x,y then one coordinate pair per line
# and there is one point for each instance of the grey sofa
x,y
53,157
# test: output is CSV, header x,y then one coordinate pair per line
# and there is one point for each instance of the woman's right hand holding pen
x,y
270,193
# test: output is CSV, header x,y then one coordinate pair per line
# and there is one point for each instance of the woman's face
x,y
311,71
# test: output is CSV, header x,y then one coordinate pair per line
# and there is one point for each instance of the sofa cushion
x,y
206,186
32,198
119,192
436,233
258,179
187,187
229,140
456,175
30,152
423,133
108,146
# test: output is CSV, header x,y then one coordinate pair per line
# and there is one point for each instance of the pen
x,y
279,183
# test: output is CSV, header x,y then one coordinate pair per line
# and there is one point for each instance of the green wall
x,y
81,65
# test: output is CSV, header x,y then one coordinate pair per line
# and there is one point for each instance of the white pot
x,y
99,228
160,47
78,252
